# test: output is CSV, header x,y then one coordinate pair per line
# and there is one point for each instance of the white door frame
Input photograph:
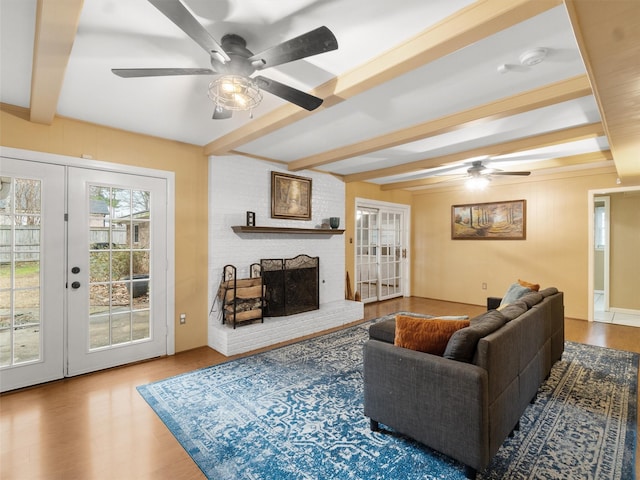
x,y
591,195
406,211
67,161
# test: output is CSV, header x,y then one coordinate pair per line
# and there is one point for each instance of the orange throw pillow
x,y
533,286
429,335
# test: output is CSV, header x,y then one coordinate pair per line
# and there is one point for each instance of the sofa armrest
x,y
493,302
439,402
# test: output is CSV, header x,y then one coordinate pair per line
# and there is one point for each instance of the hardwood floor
x,y
97,426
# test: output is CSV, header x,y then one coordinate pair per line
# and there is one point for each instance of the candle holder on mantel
x,y
334,222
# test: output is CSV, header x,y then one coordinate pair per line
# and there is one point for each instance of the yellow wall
x,y
555,252
625,250
372,192
74,138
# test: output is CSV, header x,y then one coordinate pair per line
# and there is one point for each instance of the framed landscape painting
x,y
290,196
489,221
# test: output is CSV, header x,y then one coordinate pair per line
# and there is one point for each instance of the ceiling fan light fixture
x,y
235,92
477,183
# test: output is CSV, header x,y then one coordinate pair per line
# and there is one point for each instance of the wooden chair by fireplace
x,y
242,299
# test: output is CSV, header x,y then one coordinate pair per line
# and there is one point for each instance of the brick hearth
x,y
279,329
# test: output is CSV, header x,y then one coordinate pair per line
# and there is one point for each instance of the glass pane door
x,y
390,255
31,273
106,255
380,252
117,269
367,254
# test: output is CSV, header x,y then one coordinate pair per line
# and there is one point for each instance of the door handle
x,y
75,270
75,285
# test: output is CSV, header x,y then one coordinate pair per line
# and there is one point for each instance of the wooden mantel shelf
x,y
285,230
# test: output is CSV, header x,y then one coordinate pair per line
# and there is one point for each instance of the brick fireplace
x,y
237,185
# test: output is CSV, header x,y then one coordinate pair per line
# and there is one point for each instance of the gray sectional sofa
x,y
466,402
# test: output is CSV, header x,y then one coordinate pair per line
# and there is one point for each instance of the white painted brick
x,y
246,338
237,185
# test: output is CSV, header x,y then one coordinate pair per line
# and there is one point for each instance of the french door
x,y
116,272
31,273
83,270
381,250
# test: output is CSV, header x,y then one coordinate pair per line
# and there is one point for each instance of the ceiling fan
x,y
234,88
478,169
479,176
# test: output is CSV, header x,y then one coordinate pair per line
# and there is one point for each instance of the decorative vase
x,y
334,222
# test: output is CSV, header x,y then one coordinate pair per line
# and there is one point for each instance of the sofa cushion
x,y
482,317
514,310
429,335
514,292
547,292
463,342
531,299
532,286
384,330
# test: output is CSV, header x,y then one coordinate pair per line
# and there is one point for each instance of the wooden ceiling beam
x,y
465,27
56,27
608,36
552,94
555,137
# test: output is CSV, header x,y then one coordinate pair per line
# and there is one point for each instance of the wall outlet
x,y
484,286
183,318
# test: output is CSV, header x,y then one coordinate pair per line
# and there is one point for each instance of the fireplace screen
x,y
291,285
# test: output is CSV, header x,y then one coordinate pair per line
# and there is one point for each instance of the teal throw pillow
x,y
514,292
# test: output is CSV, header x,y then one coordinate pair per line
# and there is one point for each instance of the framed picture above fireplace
x,y
290,196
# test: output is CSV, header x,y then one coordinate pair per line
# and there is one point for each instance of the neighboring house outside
x,y
98,213
137,229
100,223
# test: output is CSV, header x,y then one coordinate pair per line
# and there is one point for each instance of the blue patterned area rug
x,y
296,413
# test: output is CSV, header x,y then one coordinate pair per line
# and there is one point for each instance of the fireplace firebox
x,y
291,285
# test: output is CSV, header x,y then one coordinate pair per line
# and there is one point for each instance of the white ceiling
x,y
134,34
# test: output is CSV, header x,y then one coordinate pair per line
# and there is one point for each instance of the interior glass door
x,y
391,255
380,253
367,249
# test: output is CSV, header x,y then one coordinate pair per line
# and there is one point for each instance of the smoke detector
x,y
533,57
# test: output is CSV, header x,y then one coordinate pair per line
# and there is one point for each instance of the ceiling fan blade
x,y
522,174
175,11
220,113
311,43
290,94
160,72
